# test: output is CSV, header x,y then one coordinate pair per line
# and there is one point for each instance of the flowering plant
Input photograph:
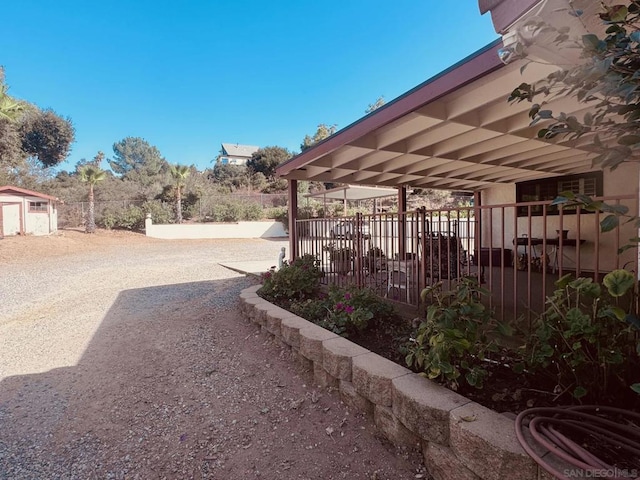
x,y
349,310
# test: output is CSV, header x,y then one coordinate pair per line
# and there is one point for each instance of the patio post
x,y
402,222
293,216
344,203
358,249
422,248
477,228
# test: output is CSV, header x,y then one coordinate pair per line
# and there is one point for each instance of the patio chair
x,y
399,282
442,255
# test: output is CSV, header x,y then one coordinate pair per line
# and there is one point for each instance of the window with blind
x,y
549,188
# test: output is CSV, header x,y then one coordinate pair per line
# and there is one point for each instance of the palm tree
x,y
179,173
92,174
10,108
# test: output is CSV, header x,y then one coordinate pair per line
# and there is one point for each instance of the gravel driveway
x,y
129,361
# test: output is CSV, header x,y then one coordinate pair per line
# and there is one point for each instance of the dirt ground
x,y
125,358
25,249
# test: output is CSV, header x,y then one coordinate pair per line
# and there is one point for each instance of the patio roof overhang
x,y
455,131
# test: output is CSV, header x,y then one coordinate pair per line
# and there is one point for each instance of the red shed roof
x,y
24,191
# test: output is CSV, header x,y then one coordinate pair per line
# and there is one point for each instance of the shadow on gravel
x,y
174,384
55,423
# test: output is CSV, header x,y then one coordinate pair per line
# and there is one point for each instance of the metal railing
x,y
516,251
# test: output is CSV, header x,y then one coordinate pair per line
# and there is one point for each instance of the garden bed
x,y
459,439
458,343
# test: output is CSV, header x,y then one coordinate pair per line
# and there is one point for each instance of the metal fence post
x,y
358,240
422,248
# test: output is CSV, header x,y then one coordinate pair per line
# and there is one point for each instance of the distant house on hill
x,y
235,154
24,211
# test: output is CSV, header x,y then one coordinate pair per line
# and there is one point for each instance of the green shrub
x,y
350,309
296,281
312,309
456,336
586,341
252,212
235,211
133,217
161,212
226,212
127,218
277,213
108,219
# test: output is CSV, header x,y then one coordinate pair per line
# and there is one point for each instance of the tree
x,y
46,136
95,161
10,108
265,160
376,105
607,81
228,176
11,153
31,140
179,173
323,131
92,175
135,159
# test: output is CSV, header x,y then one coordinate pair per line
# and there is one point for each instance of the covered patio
x,y
456,131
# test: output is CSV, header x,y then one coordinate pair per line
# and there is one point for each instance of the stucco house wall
x,y
624,179
27,212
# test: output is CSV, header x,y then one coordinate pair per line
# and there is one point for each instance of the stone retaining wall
x,y
460,439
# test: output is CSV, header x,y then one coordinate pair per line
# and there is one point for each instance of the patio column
x,y
477,234
402,223
344,205
293,216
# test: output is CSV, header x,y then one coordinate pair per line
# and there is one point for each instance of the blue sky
x,y
188,76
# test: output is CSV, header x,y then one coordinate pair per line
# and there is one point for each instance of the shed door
x,y
11,219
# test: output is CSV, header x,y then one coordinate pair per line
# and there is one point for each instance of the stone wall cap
x,y
483,422
380,366
343,347
316,332
252,289
428,393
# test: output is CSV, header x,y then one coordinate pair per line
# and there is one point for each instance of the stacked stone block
x,y
459,439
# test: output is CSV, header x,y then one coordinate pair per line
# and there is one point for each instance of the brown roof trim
x,y
486,5
24,191
469,69
505,12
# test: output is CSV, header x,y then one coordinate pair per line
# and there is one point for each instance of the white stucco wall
x,y
623,181
216,230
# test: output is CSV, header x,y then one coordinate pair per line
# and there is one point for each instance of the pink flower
x,y
339,306
347,296
348,309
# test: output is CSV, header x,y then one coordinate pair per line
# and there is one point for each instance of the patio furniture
x,y
399,284
554,243
442,250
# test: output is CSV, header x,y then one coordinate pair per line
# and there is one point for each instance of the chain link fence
x,y
73,214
